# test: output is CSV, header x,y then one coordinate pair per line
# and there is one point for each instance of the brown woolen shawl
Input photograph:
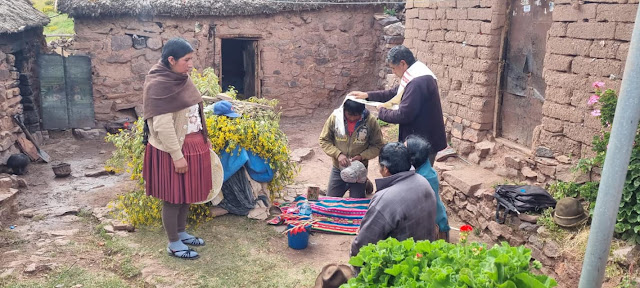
x,y
167,92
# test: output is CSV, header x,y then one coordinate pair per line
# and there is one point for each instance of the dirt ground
x,y
58,241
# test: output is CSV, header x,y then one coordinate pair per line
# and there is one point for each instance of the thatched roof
x,y
19,15
190,8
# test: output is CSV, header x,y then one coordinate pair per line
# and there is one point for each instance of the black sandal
x,y
187,254
193,241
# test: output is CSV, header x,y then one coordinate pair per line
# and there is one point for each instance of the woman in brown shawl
x,y
177,163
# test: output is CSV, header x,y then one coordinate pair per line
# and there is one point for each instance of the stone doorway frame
x,y
257,78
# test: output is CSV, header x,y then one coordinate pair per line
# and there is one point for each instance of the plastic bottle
x,y
305,209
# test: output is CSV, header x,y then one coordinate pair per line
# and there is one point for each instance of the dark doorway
x,y
240,66
524,90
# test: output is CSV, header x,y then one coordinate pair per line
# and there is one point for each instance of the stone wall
x,y
19,86
307,59
460,42
586,43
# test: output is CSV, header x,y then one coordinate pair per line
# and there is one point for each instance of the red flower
x,y
126,125
466,228
418,255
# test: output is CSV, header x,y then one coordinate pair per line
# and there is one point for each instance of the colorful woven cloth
x,y
338,215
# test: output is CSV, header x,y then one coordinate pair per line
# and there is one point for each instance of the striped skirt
x,y
162,181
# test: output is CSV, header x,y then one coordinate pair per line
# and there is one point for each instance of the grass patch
x,y
68,277
391,132
239,253
59,24
555,232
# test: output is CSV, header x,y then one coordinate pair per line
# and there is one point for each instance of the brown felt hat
x,y
569,213
333,275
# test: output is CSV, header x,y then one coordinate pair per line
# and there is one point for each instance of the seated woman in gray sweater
x,y
403,207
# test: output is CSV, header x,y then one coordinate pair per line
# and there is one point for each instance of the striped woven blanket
x,y
339,215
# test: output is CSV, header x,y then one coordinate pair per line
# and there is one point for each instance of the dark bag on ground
x,y
520,199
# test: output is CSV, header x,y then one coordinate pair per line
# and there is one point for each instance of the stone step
x,y
8,203
471,178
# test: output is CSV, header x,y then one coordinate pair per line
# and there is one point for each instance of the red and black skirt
x,y
162,181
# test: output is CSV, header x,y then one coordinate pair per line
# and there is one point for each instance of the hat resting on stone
x,y
355,173
333,275
569,213
224,108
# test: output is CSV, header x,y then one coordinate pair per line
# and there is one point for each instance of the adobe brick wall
x,y
460,41
308,59
586,43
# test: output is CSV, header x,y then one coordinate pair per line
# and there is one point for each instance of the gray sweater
x,y
403,207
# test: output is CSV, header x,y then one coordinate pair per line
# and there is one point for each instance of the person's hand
x,y
181,165
359,94
357,158
344,161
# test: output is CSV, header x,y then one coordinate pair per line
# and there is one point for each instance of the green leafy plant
x,y
604,103
587,191
391,263
390,11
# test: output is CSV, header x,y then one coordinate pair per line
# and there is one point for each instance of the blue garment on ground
x,y
441,212
232,162
258,168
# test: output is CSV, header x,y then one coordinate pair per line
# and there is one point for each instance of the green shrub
x,y
391,263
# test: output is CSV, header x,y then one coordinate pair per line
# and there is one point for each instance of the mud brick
x,y
567,13
596,67
421,24
617,13
558,29
591,30
479,90
558,62
473,135
484,78
468,3
604,49
579,132
481,103
562,112
568,46
558,95
476,116
466,51
434,35
460,98
445,4
483,40
560,79
451,25
435,24
483,14
412,13
454,36
623,50
479,65
623,31
463,75
441,14
427,14
488,53
469,26
456,14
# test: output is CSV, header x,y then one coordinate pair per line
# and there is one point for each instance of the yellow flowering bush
x,y
135,207
259,132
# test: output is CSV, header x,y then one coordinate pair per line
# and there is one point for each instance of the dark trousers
x,y
337,187
174,219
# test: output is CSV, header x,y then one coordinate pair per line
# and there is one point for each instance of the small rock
x,y
62,242
499,230
22,183
484,148
63,232
516,240
528,172
11,252
77,286
484,194
512,162
35,268
97,173
59,286
529,218
626,255
108,229
489,165
302,154
474,158
526,226
396,29
544,152
443,167
123,227
89,133
388,21
102,152
536,241
551,249
463,181
7,273
564,159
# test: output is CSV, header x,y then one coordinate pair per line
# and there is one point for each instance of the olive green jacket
x,y
366,140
